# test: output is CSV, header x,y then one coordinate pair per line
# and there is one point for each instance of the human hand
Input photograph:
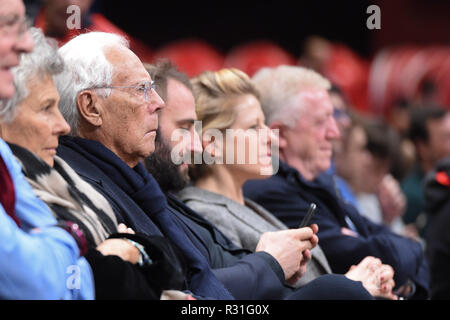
x,y
376,277
387,283
391,198
307,256
176,295
314,240
122,228
121,248
287,247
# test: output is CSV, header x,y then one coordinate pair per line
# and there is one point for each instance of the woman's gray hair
x,y
86,68
43,61
279,88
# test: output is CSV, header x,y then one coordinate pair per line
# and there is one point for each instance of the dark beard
x,y
160,165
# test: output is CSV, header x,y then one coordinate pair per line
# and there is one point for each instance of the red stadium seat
x,y
401,72
350,72
192,56
250,57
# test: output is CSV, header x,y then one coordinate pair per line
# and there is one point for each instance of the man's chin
x,y
325,165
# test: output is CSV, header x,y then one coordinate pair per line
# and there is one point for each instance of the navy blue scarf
x,y
145,191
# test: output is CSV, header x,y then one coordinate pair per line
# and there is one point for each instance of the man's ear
x,y
282,128
89,107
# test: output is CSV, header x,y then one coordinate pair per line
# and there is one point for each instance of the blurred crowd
x,y
382,188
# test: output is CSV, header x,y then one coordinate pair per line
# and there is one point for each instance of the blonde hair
x,y
279,86
215,96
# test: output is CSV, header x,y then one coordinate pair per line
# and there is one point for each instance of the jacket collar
x,y
194,193
187,212
293,175
205,196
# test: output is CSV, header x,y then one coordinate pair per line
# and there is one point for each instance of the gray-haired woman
x,y
35,125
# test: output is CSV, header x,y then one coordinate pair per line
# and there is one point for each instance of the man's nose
x,y
333,132
156,100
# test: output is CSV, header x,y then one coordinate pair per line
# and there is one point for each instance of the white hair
x,y
43,61
86,67
279,87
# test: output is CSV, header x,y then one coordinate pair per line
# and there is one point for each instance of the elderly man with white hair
x,y
295,101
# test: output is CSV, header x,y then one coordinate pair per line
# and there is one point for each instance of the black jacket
x,y
437,201
288,195
245,275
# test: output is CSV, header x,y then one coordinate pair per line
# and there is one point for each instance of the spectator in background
x,y
430,133
399,119
437,207
341,65
52,18
305,142
428,93
370,154
35,253
342,114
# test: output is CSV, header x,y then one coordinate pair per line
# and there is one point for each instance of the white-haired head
x,y
43,61
86,67
279,88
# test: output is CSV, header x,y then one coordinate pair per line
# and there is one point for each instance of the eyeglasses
x,y
141,90
339,114
13,25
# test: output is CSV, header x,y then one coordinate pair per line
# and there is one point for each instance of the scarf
x,y
7,192
68,196
140,185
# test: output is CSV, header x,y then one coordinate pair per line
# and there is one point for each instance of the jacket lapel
x,y
188,213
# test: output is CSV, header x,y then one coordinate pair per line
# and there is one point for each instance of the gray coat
x,y
244,224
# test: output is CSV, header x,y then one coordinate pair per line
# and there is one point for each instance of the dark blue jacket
x,y
246,275
437,196
288,195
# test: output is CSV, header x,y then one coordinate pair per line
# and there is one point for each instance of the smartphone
x,y
309,214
